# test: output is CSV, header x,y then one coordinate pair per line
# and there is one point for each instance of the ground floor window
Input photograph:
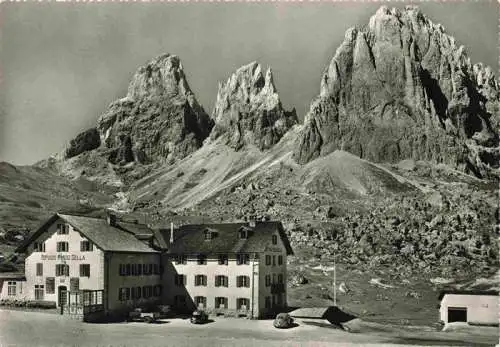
x,y
242,303
268,302
11,288
39,292
136,292
200,301
220,302
157,289
123,294
280,300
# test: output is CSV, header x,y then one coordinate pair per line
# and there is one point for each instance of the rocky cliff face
x,y
159,119
402,88
248,110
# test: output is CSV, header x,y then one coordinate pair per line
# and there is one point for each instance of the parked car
x,y
283,321
199,317
138,315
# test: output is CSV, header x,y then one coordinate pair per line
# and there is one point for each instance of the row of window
x,y
272,260
268,280
201,259
134,293
219,281
140,269
219,302
63,270
63,246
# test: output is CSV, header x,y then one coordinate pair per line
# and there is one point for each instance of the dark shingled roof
x,y
12,276
119,238
468,292
190,239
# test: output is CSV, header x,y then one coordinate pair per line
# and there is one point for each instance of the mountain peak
x,y
248,109
401,88
158,120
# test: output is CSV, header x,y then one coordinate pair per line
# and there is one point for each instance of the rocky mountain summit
x,y
248,110
402,88
159,119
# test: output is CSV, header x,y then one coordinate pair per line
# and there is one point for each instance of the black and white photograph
x,y
197,173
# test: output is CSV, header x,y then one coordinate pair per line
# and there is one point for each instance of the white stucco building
x,y
473,307
106,267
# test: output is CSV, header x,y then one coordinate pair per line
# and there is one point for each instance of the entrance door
x,y
62,297
457,314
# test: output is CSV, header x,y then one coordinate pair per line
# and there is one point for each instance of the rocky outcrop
x,y
83,142
248,110
159,120
401,88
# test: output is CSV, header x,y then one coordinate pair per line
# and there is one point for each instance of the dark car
x,y
283,321
199,317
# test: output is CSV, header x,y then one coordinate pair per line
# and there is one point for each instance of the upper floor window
x,y
180,259
62,229
268,260
200,280
39,269
243,259
39,247
202,259
280,260
62,270
210,234
280,278
275,239
62,246
86,246
243,281
268,280
274,260
223,258
84,270
180,280
221,281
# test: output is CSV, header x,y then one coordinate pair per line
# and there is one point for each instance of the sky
x,y
62,64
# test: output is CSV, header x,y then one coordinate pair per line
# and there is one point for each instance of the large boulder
x,y
83,142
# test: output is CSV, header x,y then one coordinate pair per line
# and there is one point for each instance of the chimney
x,y
111,219
171,232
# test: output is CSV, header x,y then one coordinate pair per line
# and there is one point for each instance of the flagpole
x,y
334,282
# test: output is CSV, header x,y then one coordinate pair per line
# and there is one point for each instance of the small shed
x,y
475,307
